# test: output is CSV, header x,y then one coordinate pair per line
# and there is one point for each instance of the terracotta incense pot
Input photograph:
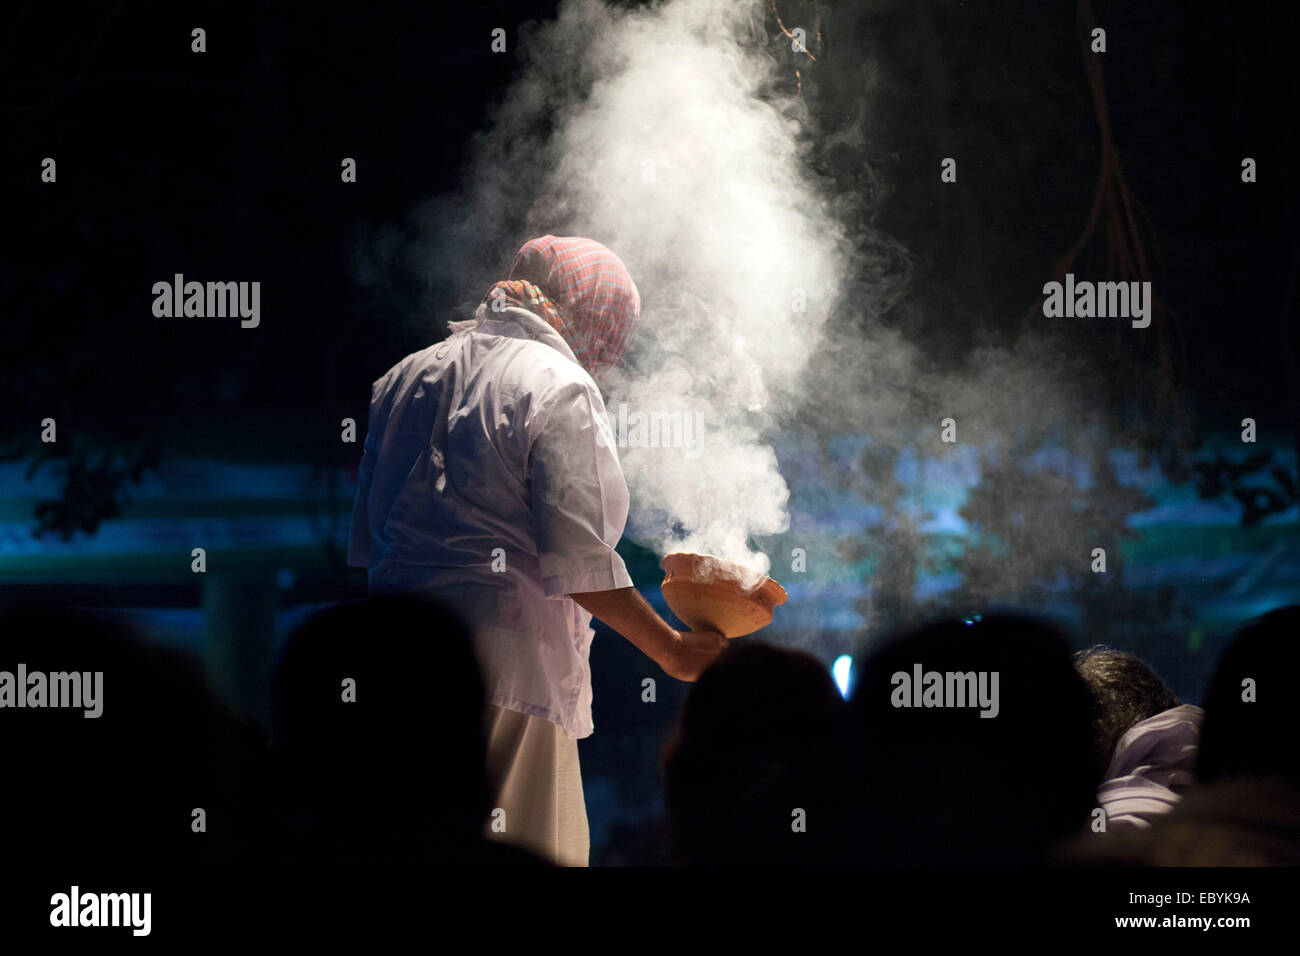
x,y
710,594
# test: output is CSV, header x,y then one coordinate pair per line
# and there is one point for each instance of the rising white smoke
x,y
669,146
658,132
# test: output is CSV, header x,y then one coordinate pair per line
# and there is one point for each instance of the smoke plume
x,y
659,133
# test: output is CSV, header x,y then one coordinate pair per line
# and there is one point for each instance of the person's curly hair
x,y
1125,692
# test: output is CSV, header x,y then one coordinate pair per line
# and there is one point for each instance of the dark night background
x,y
176,433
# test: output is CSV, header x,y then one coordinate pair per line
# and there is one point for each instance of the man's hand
x,y
682,655
695,652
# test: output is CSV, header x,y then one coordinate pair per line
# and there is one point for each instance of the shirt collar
x,y
521,324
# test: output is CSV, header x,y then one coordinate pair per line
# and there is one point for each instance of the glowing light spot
x,y
841,670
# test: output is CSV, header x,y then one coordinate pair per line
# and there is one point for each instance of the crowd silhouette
x,y
977,742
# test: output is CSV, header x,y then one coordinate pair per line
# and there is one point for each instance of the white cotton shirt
x,y
1154,764
492,447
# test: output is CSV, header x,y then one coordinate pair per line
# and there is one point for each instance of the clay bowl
x,y
708,595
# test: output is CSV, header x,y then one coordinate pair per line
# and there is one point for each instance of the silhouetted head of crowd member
x,y
1124,691
1251,721
750,774
975,745
126,758
378,732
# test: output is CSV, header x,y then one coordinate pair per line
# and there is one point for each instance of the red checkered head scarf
x,y
598,303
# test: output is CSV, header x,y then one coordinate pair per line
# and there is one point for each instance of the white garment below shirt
x,y
536,786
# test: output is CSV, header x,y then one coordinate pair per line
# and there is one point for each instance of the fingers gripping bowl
x,y
710,594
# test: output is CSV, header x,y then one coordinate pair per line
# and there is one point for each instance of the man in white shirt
x,y
490,483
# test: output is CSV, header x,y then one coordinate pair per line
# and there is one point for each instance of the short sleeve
x,y
578,493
